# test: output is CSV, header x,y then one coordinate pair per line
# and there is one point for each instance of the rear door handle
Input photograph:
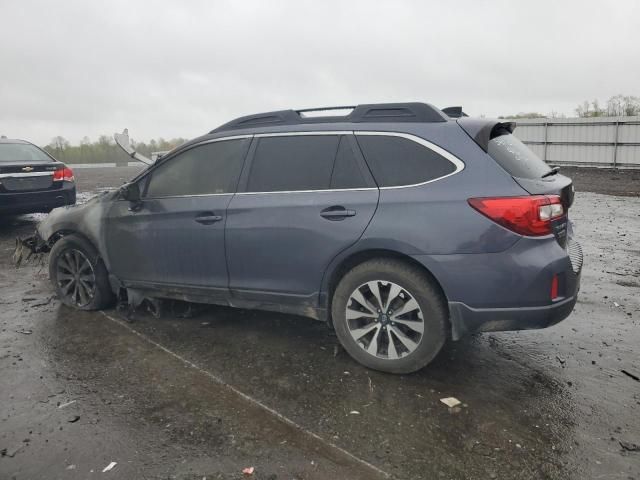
x,y
208,218
337,213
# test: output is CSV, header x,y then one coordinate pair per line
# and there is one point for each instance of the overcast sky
x,y
180,68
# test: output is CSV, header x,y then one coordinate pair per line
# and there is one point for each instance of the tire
x,y
90,289
397,283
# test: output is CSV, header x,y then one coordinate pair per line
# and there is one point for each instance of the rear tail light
x,y
531,215
63,174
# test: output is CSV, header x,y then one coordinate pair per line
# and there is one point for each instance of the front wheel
x,y
389,316
79,275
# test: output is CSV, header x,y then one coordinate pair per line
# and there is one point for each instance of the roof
x,y
369,113
12,140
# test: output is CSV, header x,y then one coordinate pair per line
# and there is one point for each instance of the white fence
x,y
598,142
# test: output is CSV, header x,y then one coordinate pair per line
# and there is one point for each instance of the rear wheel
x,y
389,316
79,275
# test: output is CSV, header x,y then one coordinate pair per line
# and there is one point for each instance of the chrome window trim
x,y
459,164
188,196
221,139
300,134
28,174
311,191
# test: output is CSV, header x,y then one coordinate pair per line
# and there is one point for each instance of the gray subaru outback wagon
x,y
399,224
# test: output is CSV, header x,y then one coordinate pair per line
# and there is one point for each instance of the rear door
x,y
175,238
302,200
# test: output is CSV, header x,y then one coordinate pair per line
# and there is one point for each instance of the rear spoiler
x,y
454,112
481,130
122,139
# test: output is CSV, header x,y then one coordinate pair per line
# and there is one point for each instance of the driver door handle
x,y
208,218
337,213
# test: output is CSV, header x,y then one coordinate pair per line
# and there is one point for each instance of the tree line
x,y
105,150
616,106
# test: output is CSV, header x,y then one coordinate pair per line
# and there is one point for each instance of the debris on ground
x,y
66,404
73,418
561,360
630,447
71,467
631,375
354,412
11,452
109,467
25,331
451,402
248,470
43,303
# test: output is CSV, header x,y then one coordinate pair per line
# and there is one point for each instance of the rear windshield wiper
x,y
553,171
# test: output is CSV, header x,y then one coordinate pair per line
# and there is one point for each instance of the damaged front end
x,y
29,249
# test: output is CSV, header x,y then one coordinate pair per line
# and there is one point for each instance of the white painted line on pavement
x,y
248,398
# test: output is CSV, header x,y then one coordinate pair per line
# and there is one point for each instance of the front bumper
x,y
38,201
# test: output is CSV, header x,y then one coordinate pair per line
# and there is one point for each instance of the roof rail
x,y
381,112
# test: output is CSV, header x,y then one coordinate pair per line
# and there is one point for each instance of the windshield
x,y
22,152
516,158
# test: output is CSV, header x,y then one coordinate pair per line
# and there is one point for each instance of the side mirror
x,y
131,192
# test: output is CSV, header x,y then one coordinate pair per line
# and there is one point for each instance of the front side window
x,y
397,161
203,170
22,152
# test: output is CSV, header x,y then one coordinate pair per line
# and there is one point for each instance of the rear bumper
x,y
510,290
466,320
39,201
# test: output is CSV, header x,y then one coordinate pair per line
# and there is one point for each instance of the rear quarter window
x,y
397,161
515,157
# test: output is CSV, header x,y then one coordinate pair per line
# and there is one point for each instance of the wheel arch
x,y
65,232
341,267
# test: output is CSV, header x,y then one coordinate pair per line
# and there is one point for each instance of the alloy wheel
x,y
76,277
384,319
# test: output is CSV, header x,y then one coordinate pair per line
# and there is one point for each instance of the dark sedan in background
x,y
31,180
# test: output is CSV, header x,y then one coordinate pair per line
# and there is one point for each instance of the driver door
x,y
174,239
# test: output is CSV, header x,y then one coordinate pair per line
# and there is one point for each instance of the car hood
x,y
86,219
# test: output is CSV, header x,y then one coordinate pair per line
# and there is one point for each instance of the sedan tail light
x,y
529,215
64,174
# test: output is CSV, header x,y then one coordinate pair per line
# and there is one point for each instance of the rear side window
x,y
293,163
202,170
515,157
396,161
20,152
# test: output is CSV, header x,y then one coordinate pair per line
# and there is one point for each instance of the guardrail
x,y
599,141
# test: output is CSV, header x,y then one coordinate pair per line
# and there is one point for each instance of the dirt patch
x,y
608,181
